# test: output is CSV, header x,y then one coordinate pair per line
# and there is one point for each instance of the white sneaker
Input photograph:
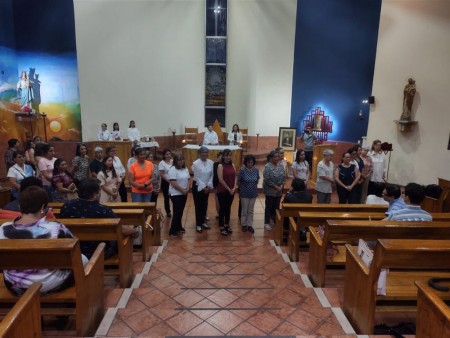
x,y
267,227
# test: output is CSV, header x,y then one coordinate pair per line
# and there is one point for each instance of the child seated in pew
x,y
297,194
87,205
33,225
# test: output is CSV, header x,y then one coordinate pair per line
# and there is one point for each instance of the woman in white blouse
x,y
300,167
235,136
104,134
164,167
179,188
133,133
120,171
115,134
379,165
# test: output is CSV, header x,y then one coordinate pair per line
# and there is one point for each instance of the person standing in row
x,y
46,165
366,173
120,171
179,187
210,137
155,178
13,146
62,182
325,177
355,153
141,178
80,164
274,177
18,172
248,178
109,182
308,138
347,177
164,167
201,187
226,172
300,167
97,163
379,165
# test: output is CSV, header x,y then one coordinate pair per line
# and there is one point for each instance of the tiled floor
x,y
209,285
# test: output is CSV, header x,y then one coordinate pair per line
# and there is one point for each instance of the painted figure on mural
x,y
24,90
408,98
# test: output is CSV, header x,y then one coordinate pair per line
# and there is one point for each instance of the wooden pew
x,y
316,218
292,210
85,297
106,229
149,236
350,231
24,319
409,260
131,217
433,315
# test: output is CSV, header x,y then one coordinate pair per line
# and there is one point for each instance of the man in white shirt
x,y
210,137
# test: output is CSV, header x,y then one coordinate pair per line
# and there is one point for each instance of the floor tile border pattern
x,y
110,314
339,314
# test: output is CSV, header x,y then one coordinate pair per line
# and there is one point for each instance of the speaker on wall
x,y
371,99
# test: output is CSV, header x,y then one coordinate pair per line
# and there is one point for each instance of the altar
x,y
190,154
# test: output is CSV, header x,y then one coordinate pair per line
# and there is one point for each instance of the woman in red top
x,y
141,173
226,172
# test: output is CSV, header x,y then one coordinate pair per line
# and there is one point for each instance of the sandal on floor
x,y
228,229
199,229
223,232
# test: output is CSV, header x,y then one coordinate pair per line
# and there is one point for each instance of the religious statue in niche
x,y
408,98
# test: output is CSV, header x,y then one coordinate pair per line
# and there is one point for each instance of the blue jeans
x,y
137,197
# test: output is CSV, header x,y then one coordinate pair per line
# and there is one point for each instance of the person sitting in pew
x,y
87,205
393,195
12,209
33,225
377,197
414,195
297,194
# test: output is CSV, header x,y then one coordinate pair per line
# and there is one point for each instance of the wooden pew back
x,y
24,319
433,315
292,210
347,231
106,229
316,218
86,295
407,255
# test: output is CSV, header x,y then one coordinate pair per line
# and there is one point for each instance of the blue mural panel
x,y
334,60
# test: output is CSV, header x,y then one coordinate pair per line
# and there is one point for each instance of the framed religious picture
x,y
287,138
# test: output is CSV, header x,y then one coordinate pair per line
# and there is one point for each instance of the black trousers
x,y
346,196
165,190
225,202
178,202
308,158
272,204
123,192
200,203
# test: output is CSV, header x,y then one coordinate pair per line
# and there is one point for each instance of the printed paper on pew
x,y
366,255
365,252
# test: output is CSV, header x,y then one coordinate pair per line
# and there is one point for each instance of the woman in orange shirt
x,y
141,173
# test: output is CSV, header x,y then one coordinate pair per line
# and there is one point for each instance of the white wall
x,y
141,60
414,40
261,39
144,60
